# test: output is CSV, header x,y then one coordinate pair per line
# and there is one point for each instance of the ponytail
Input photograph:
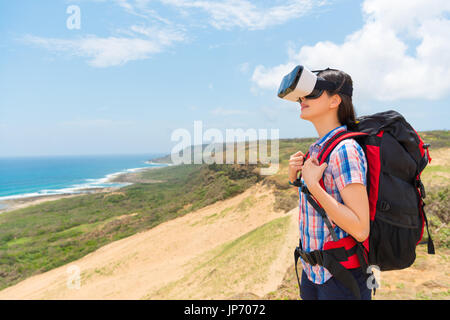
x,y
346,111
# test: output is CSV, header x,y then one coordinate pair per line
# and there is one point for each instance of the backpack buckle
x,y
297,182
421,187
384,206
313,258
301,185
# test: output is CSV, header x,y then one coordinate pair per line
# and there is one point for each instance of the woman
x,y
344,198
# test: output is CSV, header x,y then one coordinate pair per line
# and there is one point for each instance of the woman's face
x,y
315,108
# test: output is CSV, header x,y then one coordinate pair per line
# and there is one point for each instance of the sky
x,y
120,76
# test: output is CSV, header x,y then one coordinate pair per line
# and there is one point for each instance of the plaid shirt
x,y
347,164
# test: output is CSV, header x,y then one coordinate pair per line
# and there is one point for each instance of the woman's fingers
x,y
298,154
296,163
309,163
296,159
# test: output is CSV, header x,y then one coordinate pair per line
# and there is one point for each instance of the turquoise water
x,y
33,176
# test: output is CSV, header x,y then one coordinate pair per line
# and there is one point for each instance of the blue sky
x,y
136,70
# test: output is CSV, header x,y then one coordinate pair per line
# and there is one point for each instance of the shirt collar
x,y
320,142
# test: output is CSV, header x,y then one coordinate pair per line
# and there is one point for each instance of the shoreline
x,y
20,203
126,178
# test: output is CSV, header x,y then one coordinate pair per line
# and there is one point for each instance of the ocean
x,y
35,176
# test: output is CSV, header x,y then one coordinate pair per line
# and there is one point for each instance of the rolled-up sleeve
x,y
348,164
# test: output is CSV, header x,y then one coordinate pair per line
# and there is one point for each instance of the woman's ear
x,y
335,101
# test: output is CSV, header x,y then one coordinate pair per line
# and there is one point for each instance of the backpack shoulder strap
x,y
334,141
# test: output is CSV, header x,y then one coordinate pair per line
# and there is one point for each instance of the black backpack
x,y
396,156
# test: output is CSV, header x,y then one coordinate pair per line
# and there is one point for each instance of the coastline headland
x,y
118,180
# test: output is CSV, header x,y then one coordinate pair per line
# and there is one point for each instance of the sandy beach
x,y
126,178
133,177
19,203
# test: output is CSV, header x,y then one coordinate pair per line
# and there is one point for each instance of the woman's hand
x,y
312,172
295,165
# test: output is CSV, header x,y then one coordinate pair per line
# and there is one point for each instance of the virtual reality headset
x,y
302,82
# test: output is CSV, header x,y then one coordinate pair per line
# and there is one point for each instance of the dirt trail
x,y
133,267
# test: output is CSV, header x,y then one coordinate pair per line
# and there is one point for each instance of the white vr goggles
x,y
302,82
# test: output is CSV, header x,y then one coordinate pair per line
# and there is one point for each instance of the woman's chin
x,y
304,115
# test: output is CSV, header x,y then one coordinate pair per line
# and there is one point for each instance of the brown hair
x,y
346,111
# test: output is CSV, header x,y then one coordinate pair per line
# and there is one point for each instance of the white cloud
x,y
124,4
246,14
376,56
137,8
113,51
269,78
140,42
227,14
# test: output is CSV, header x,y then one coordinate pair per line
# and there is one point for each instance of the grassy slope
x,y
218,272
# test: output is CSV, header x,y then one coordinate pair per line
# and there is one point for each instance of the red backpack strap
x,y
334,141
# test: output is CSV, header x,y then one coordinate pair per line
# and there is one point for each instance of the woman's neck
x,y
325,125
